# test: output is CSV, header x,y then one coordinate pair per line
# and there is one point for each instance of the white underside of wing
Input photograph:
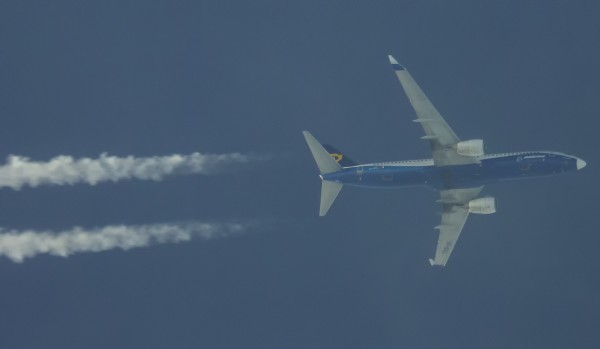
x,y
454,217
453,220
437,131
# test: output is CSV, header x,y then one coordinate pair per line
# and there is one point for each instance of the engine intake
x,y
473,147
485,205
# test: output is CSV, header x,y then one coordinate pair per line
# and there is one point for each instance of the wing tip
x,y
433,264
397,66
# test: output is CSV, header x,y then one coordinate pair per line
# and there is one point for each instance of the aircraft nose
x,y
580,164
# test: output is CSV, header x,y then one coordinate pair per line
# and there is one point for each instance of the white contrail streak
x,y
21,171
18,245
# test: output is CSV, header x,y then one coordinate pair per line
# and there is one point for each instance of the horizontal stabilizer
x,y
329,191
326,163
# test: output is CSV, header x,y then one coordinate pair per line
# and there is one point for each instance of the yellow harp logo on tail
x,y
337,157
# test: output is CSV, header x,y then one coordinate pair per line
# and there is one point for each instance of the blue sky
x,y
154,78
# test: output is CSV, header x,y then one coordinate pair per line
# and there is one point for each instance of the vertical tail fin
x,y
338,156
326,164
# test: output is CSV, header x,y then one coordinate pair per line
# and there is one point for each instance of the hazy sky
x,y
156,78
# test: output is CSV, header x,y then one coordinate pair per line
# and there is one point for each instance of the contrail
x,y
21,171
18,245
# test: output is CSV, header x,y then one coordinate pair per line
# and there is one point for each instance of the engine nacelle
x,y
473,147
485,205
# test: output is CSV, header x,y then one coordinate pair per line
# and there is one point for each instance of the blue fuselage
x,y
492,168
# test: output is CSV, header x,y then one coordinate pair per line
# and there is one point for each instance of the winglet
x,y
395,63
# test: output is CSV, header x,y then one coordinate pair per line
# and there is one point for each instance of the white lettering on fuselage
x,y
534,156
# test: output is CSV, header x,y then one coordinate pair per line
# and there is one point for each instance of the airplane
x,y
458,169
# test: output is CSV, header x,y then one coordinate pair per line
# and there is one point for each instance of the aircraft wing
x,y
454,216
437,131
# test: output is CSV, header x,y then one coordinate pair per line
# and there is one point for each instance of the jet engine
x,y
473,147
485,205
